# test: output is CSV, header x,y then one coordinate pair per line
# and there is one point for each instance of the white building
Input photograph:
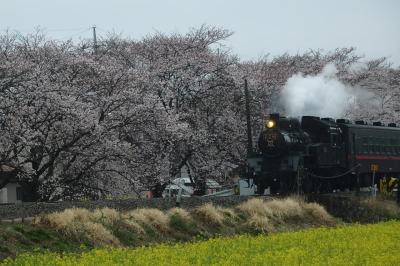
x,y
187,187
12,191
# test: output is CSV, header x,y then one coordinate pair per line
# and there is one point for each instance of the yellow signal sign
x,y
374,167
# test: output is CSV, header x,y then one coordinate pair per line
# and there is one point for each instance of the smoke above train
x,y
323,95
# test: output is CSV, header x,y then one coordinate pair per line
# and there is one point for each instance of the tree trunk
x,y
30,191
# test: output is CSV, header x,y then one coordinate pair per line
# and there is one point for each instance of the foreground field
x,y
348,245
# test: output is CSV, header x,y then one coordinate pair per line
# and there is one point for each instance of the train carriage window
x,y
371,145
379,145
389,146
372,148
386,144
383,145
397,147
365,147
379,148
391,150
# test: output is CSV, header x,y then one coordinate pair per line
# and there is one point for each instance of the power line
x,y
47,31
101,29
42,29
76,34
70,29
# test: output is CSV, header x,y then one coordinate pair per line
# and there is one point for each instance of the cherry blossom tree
x,y
78,122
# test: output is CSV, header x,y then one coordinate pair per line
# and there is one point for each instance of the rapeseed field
x,y
376,244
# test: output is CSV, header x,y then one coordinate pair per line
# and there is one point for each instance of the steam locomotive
x,y
323,155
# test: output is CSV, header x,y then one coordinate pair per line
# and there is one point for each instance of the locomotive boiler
x,y
322,155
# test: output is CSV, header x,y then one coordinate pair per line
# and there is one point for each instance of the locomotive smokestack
x,y
249,135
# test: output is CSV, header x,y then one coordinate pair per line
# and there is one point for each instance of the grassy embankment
x,y
79,230
73,228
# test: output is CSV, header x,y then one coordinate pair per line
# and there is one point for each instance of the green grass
x,y
375,244
17,238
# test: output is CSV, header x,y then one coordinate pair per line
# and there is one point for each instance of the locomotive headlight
x,y
270,124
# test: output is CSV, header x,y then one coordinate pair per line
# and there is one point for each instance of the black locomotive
x,y
323,155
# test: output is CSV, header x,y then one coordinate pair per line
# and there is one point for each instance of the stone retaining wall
x,y
20,211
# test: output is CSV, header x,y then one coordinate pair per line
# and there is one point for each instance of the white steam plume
x,y
321,95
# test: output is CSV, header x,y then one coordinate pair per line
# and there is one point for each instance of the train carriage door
x,y
334,139
334,147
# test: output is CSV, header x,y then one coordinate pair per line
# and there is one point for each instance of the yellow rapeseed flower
x,y
347,245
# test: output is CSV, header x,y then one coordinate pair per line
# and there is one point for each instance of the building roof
x,y
6,169
211,183
7,173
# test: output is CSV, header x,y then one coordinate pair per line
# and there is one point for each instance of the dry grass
x,y
266,216
258,215
260,223
67,219
317,212
254,215
132,225
78,222
229,213
285,208
98,234
182,213
255,206
106,215
153,217
209,214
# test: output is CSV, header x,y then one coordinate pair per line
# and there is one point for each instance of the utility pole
x,y
94,40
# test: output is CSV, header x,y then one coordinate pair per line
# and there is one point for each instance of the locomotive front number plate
x,y
271,138
374,167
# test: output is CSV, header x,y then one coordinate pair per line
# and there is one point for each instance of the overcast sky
x,y
259,26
